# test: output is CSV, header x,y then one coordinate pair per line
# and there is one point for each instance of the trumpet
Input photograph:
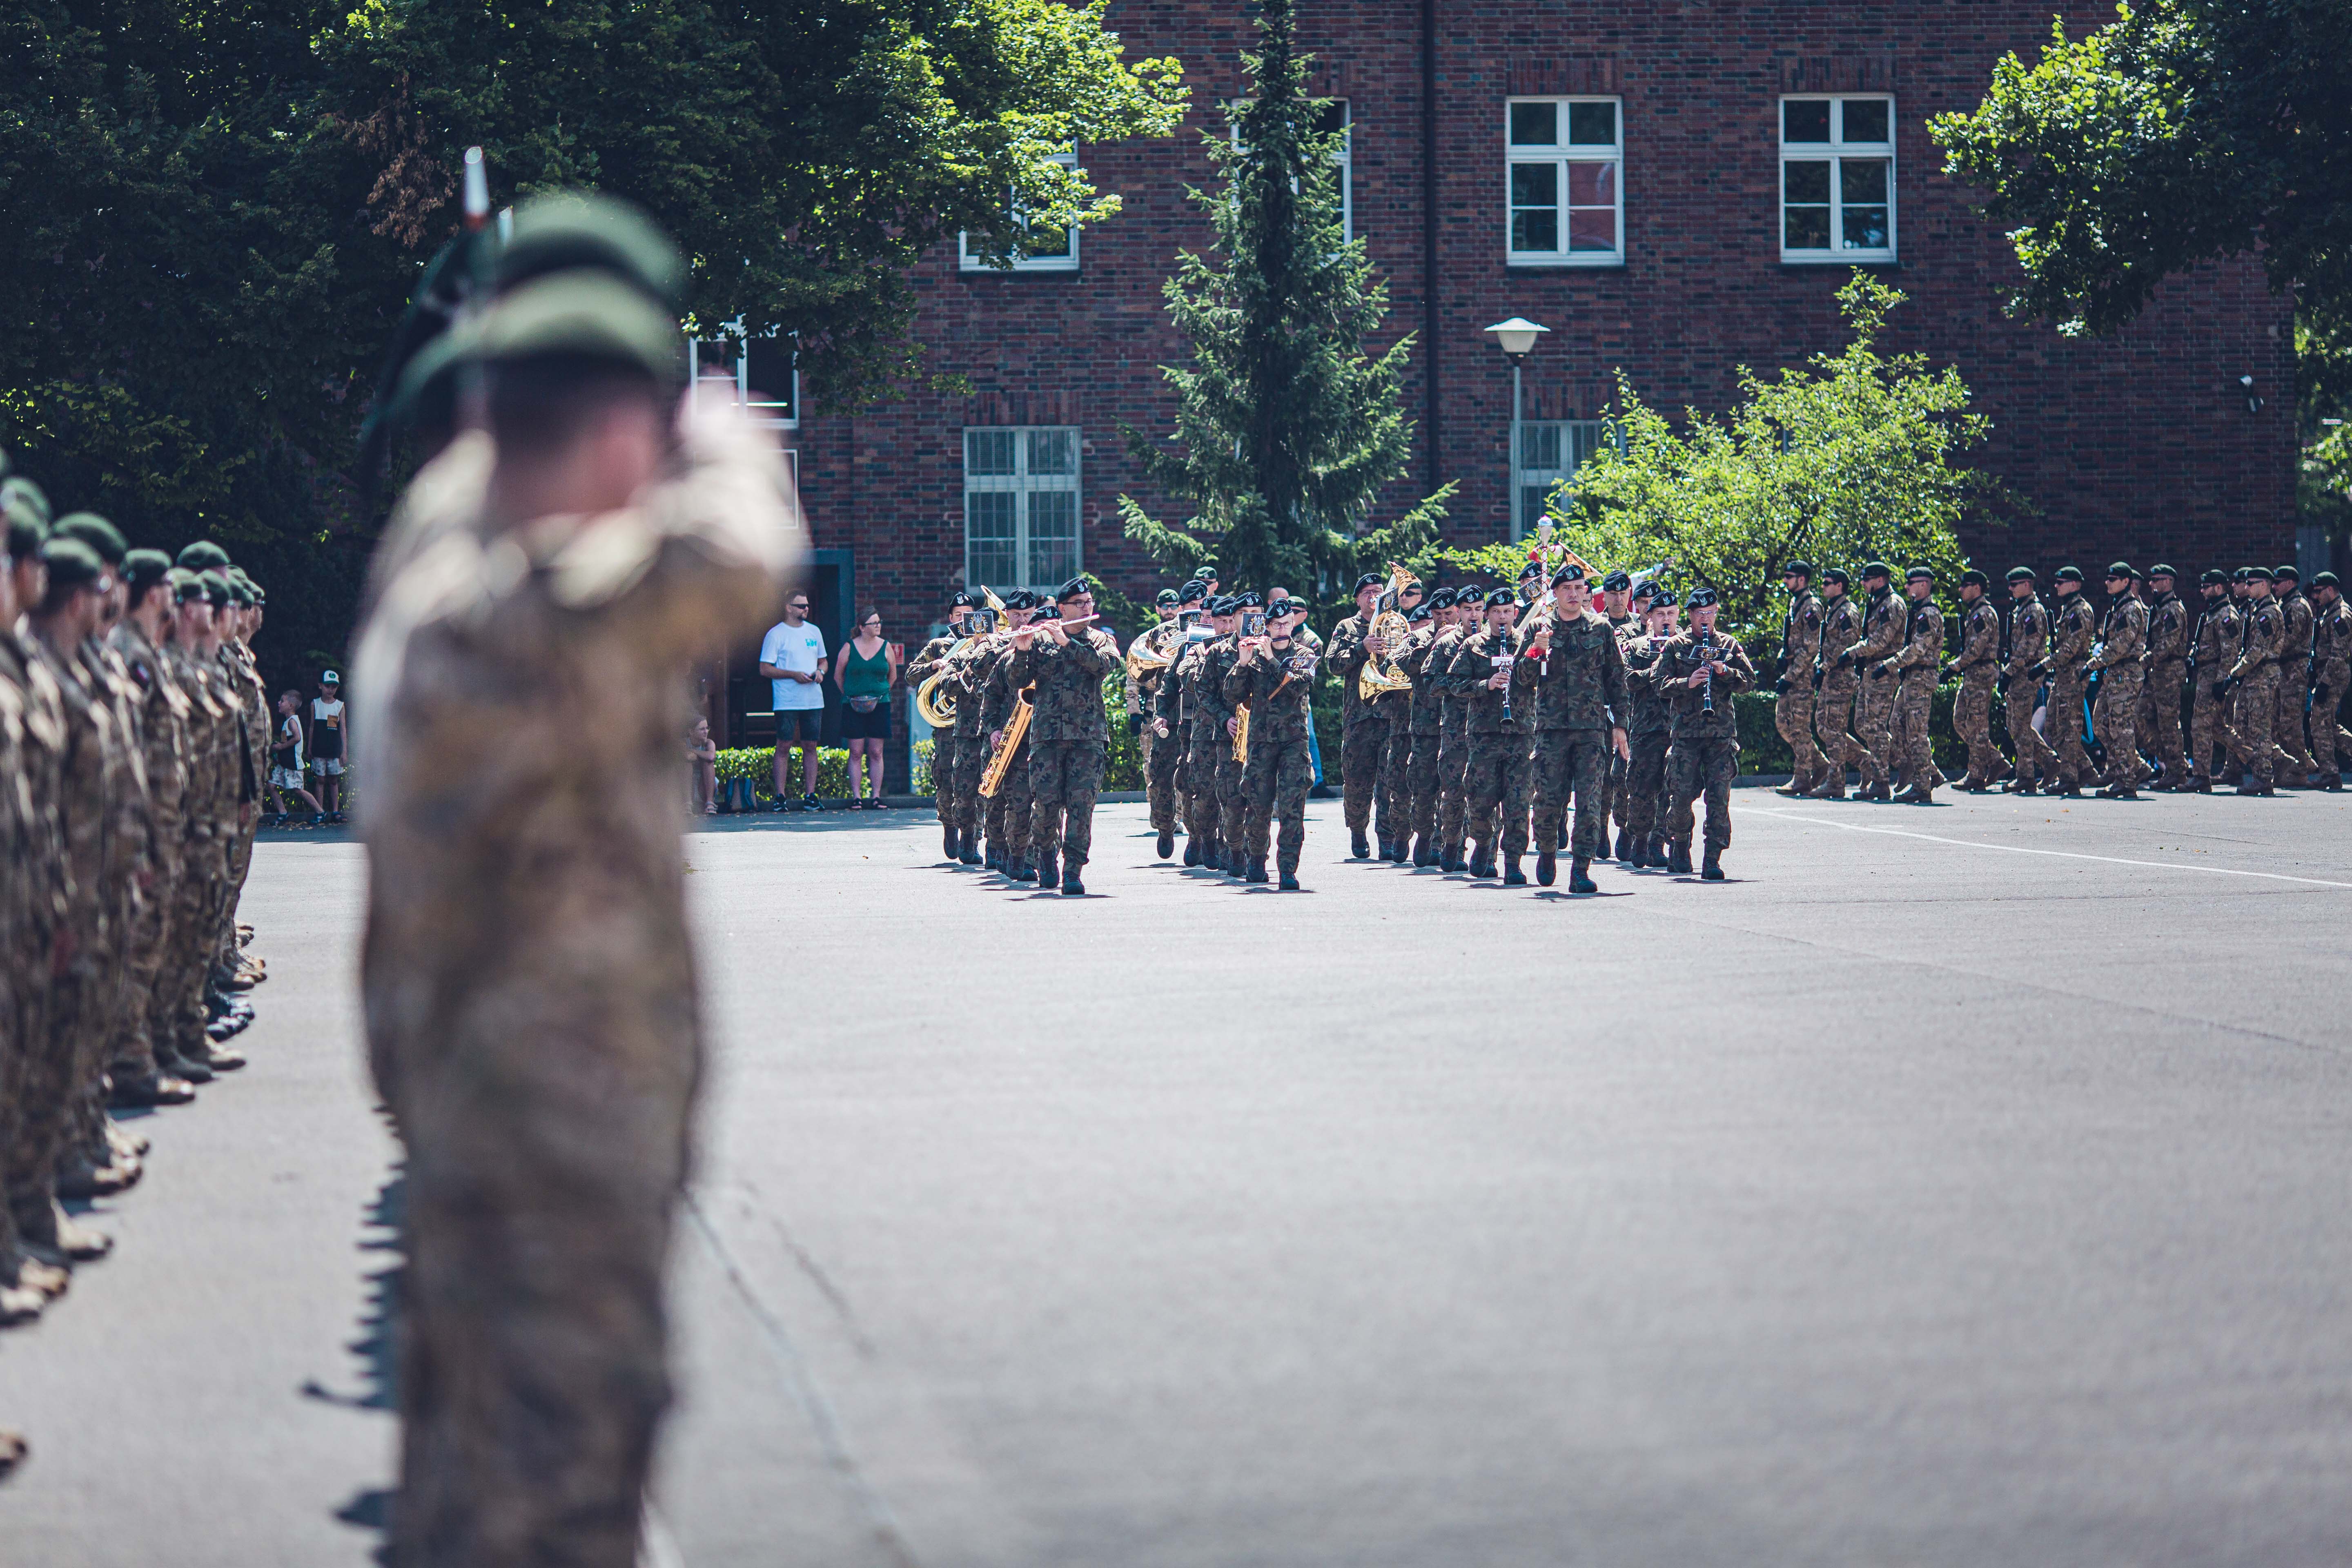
x,y
937,707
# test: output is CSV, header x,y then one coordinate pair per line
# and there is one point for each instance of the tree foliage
x,y
1286,428
1852,458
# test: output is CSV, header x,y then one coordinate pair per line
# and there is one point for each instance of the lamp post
x,y
1517,338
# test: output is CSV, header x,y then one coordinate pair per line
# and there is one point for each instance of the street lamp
x,y
1517,338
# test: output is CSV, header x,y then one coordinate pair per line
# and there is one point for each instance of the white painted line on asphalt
x,y
2058,854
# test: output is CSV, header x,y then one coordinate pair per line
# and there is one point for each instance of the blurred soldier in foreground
x,y
529,981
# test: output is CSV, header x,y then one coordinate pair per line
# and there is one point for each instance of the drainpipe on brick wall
x,y
1429,314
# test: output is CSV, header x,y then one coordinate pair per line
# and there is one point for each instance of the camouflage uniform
x,y
1499,777
967,745
2221,634
2121,640
2292,755
208,800
124,895
1648,731
1576,691
2165,666
1884,617
1833,695
1453,746
1426,729
927,663
42,901
1978,666
1233,799
244,681
1160,759
2072,630
1704,756
1067,737
528,983
1913,667
1007,811
2331,672
1363,733
2029,636
2253,692
1613,786
164,711
1277,776
1193,701
1792,707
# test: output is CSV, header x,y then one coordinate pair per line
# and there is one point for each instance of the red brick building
x,y
1677,189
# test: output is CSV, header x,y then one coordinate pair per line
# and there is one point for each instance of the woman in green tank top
x,y
866,672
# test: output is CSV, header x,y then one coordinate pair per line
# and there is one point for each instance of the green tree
x,y
1850,458
1287,429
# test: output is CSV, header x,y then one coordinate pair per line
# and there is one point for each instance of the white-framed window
x,y
1837,178
1043,248
1551,451
763,371
1021,505
1564,182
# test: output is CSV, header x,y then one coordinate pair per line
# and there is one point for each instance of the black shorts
x,y
802,726
874,726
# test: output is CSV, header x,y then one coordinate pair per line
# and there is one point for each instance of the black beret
x,y
2021,575
1920,574
1878,569
1975,576
1616,582
2212,574
72,562
1417,615
142,569
962,601
1165,597
2067,575
2288,573
1645,589
1445,598
1076,588
2120,569
103,538
1370,580
1222,604
1570,572
2263,573
2161,569
1282,608
1193,593
1248,600
1532,569
1798,569
2326,580
1836,574
204,555
1698,598
1501,596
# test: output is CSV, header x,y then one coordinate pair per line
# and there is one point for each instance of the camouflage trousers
x,y
2156,726
1364,743
1696,768
1498,782
133,1052
1913,755
1200,777
2255,703
2209,726
1972,722
178,1020
2286,728
2117,716
22,994
1233,801
1065,776
2035,759
955,778
1792,716
48,1085
1832,719
546,1116
2331,743
1163,762
1874,726
1645,784
1452,767
240,866
1276,782
2065,725
1572,762
1421,786
1007,810
1395,815
1616,787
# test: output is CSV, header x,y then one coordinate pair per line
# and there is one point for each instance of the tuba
x,y
1390,626
938,706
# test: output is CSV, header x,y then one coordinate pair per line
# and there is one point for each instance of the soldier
x,y
1233,801
1500,773
1913,667
1007,822
1977,665
1363,726
1171,717
528,970
1396,794
1464,614
1068,735
2293,761
1834,681
2123,639
2331,673
1147,668
1697,673
1572,673
966,670
2252,687
183,1044
1792,692
2213,646
1199,705
1617,608
1275,677
1648,729
2020,677
2071,632
1885,616
135,1075
2165,663
928,661
1422,726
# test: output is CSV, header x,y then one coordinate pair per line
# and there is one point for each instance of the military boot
x,y
128,1090
1045,873
1071,886
79,1178
2195,784
1712,871
948,849
970,856
49,1236
1580,876
1482,860
2021,786
1832,787
1401,851
1425,852
1191,849
1357,848
1290,883
1798,785
1876,790
17,1305
1256,872
1921,794
1167,843
1678,858
1019,870
1547,867
1512,876
995,861
2331,782
2120,789
169,1063
47,1281
210,1053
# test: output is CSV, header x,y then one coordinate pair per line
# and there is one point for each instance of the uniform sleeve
x,y
1240,685
1743,668
1347,654
1879,642
1924,643
1612,681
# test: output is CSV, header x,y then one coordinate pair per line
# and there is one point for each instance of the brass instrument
x,y
1240,733
939,708
1142,660
1390,626
992,779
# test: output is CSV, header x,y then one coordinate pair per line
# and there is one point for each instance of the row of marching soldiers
x,y
1472,721
133,735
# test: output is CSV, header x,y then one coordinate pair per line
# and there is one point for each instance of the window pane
x,y
1592,228
1531,503
1535,185
1865,119
1540,445
991,547
1807,229
1332,116
1861,179
1866,227
1805,119
1535,125
1535,199
1053,536
1537,229
1043,242
1807,182
769,365
1053,451
988,451
1593,124
1592,185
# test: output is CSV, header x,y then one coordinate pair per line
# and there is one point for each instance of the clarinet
x,y
1706,669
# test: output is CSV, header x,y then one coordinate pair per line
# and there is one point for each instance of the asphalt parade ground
x,y
1955,1186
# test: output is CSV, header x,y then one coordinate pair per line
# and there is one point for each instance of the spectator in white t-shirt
x,y
792,656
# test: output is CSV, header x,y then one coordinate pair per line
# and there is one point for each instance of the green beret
x,y
1877,569
186,584
1798,569
26,511
2212,574
204,555
19,491
572,230
1920,574
585,313
2067,575
142,569
216,586
2121,569
240,593
2326,580
2161,569
2022,575
1975,576
95,532
72,562
2287,573
2261,573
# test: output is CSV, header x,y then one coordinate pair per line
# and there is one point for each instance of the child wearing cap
x,y
327,743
